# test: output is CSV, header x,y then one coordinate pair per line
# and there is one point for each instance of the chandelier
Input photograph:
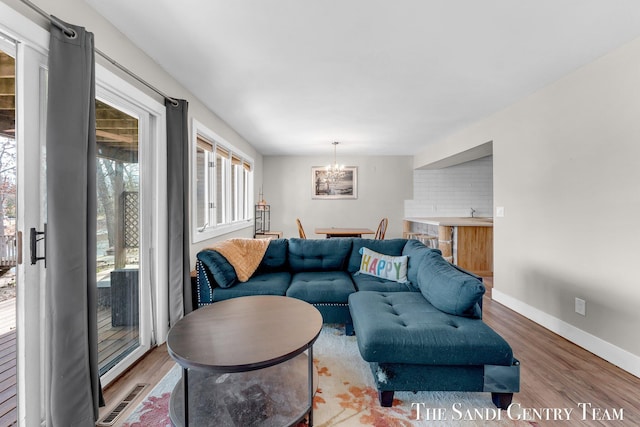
x,y
335,172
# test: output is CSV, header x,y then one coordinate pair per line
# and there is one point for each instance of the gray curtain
x,y
180,301
73,382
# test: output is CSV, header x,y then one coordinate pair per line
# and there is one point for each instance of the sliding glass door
x,y
8,247
129,135
23,88
131,219
118,234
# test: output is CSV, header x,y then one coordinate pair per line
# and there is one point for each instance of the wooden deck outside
x,y
112,341
8,253
8,400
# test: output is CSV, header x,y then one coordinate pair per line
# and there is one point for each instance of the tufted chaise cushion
x,y
318,255
397,327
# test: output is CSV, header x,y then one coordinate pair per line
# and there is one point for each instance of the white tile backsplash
x,y
453,191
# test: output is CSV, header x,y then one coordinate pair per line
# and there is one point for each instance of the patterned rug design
x,y
347,397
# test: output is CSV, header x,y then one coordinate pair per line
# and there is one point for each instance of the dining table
x,y
343,231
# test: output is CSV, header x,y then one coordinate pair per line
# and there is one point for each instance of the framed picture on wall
x,y
337,185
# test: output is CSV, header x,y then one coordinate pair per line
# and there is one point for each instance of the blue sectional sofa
x,y
417,318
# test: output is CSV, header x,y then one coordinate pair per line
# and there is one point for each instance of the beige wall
x,y
114,44
384,183
566,170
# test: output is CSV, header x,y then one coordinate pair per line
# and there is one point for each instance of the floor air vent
x,y
123,405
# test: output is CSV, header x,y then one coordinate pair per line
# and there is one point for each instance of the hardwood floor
x,y
554,374
149,370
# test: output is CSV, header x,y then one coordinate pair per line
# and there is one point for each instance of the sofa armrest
x,y
193,283
473,275
204,286
467,272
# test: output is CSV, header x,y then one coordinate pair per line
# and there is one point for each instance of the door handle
x,y
34,239
19,248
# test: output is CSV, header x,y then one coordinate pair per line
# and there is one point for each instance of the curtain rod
x,y
70,32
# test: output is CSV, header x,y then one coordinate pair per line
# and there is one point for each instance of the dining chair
x,y
382,229
300,229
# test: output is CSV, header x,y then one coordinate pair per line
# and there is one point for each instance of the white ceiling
x,y
380,76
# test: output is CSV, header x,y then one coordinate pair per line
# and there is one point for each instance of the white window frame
x,y
213,227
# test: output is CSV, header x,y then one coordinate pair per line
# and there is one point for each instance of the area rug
x,y
346,396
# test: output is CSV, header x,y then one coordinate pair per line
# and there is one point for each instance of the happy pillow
x,y
383,266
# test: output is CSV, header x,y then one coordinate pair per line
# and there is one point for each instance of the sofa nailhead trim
x,y
332,304
198,267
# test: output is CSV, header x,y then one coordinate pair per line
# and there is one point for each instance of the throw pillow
x,y
223,273
391,247
416,251
448,289
383,266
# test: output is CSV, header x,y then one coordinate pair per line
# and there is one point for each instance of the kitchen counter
x,y
453,221
464,241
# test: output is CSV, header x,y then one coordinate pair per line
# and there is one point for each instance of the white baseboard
x,y
609,352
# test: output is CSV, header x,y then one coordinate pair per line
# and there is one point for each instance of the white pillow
x,y
384,266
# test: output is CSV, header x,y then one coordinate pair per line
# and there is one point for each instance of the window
x,y
223,186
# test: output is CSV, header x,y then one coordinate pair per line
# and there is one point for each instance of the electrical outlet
x,y
581,306
499,211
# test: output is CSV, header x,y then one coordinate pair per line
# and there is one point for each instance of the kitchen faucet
x,y
473,211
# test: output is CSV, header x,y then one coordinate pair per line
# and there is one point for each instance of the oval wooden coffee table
x,y
243,363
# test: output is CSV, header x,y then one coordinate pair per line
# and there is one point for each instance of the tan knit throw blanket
x,y
243,254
